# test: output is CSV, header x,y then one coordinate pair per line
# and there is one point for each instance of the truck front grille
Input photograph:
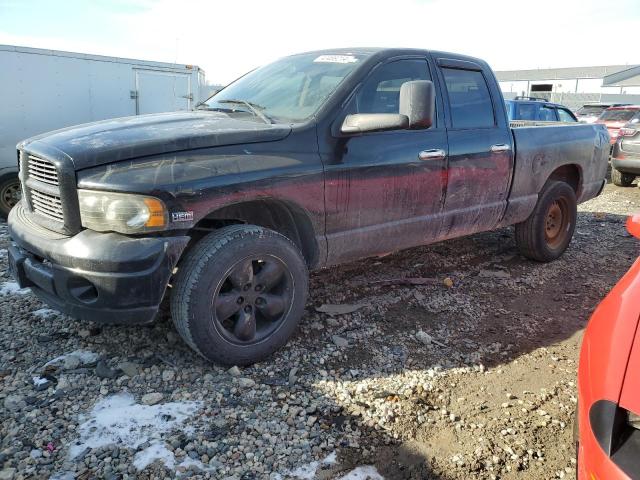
x,y
42,187
42,170
47,205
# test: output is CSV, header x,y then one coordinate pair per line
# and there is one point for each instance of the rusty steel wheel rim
x,y
556,223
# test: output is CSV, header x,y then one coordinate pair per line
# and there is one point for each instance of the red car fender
x,y
630,395
604,360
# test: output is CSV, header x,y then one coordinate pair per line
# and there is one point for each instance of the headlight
x,y
121,212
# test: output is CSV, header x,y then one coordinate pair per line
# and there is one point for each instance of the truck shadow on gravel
x,y
499,310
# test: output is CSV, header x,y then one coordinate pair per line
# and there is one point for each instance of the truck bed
x,y
542,147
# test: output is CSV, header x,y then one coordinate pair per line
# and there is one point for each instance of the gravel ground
x,y
452,361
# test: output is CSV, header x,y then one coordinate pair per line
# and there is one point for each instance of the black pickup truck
x,y
314,160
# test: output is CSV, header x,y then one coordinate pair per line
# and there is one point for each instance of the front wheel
x,y
239,294
621,179
546,234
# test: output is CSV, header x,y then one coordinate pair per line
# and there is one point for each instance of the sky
x,y
229,38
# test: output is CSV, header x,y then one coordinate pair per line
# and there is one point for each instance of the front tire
x,y
621,179
546,234
239,294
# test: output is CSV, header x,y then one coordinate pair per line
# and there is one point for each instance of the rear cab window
x,y
469,99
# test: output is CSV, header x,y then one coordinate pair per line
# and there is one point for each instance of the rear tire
x,y
546,234
621,179
239,294
9,194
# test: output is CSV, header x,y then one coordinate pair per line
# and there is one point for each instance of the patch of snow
x,y
10,288
83,356
3,252
367,472
119,420
63,476
44,312
308,472
155,451
158,451
39,381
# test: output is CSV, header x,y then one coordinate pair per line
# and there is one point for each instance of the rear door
x,y
480,159
160,91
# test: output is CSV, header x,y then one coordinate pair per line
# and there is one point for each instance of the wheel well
x,y
287,219
570,174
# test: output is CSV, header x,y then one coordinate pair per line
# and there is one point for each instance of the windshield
x,y
618,115
289,90
591,110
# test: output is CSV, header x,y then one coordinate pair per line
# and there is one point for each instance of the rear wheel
x,y
10,194
621,179
239,294
546,234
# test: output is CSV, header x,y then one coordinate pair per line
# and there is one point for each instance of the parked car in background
x,y
44,90
538,109
625,156
590,112
608,414
616,117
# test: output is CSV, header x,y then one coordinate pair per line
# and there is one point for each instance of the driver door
x,y
384,191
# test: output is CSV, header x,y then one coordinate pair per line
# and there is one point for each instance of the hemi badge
x,y
182,216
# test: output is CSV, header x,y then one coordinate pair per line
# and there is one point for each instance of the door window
x,y
469,98
380,93
565,116
527,111
548,114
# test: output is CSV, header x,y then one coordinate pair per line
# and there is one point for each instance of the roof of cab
x,y
392,51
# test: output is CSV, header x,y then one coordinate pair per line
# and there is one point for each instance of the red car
x,y
608,436
616,117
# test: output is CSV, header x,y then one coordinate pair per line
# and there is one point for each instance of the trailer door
x,y
160,91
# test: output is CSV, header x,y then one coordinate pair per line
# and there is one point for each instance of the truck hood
x,y
108,141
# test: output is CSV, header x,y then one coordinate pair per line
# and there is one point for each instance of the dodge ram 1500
x,y
314,160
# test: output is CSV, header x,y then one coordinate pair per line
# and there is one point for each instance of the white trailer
x,y
43,90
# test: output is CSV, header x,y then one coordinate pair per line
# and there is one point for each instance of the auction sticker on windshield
x,y
336,59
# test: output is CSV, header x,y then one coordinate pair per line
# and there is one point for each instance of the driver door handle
x,y
500,147
433,154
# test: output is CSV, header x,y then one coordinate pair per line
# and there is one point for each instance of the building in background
x,y
575,86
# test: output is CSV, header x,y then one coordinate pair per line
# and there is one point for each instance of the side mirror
x,y
374,122
418,103
416,110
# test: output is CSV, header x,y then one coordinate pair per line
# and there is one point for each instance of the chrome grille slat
x,y
49,203
50,199
53,203
42,170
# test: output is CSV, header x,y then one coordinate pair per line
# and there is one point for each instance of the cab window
x,y
380,93
565,116
547,114
469,98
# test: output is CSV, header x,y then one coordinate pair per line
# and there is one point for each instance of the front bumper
x,y
628,164
102,277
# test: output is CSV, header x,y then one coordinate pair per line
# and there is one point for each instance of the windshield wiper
x,y
253,107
